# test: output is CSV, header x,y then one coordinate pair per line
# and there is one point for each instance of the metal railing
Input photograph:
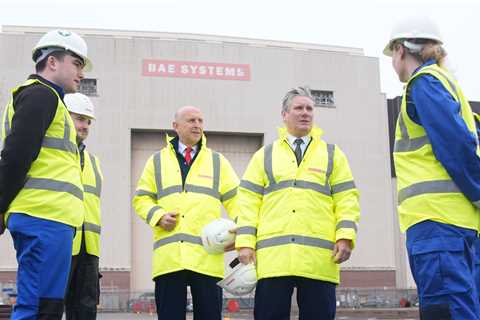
x,y
115,300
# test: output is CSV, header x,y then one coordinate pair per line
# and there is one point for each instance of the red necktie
x,y
188,155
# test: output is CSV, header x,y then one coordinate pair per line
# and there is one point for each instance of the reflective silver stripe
x,y
250,186
97,189
157,164
90,189
98,178
216,171
203,190
444,75
278,186
141,192
331,155
182,237
274,186
87,226
168,191
178,189
228,195
247,230
188,187
295,239
403,127
347,224
7,124
312,186
406,144
438,186
301,184
60,144
344,186
64,143
151,212
267,163
54,185
477,203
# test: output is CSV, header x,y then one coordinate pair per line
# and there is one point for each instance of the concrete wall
x,y
129,102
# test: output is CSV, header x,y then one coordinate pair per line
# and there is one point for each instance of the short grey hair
x,y
294,92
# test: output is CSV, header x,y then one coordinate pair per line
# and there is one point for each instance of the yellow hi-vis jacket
x,y
425,189
53,189
210,183
92,184
293,215
477,121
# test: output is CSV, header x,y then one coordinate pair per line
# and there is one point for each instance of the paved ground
x,y
243,316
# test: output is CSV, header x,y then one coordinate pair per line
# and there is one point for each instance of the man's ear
x,y
402,50
51,63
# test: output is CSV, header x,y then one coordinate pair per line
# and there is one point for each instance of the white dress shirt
x,y
182,149
303,146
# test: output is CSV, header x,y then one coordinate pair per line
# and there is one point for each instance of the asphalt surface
x,y
242,316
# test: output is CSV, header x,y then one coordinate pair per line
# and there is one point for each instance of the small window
x,y
323,98
88,87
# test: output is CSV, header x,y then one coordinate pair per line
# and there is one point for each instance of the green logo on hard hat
x,y
64,33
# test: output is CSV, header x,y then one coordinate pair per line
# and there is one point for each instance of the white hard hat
x,y
62,39
241,280
216,235
416,27
79,103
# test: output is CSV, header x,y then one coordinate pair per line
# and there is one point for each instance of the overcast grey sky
x,y
363,24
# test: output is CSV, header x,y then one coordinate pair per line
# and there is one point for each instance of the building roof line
x,y
228,40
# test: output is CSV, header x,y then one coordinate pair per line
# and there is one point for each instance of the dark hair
x,y
59,55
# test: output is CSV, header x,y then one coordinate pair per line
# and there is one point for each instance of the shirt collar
x,y
182,147
291,139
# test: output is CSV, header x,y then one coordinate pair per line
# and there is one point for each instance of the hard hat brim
x,y
387,51
88,65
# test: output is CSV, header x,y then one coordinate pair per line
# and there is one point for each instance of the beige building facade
x,y
138,81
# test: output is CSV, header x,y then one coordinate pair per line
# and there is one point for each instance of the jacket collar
x,y
316,133
172,141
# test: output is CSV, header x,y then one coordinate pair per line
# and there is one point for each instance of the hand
x,y
342,250
231,246
247,255
168,221
2,224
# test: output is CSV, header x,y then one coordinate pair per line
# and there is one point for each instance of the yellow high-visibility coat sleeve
x,y
228,186
145,199
345,198
249,201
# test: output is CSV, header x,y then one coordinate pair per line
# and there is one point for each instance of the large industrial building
x,y
138,81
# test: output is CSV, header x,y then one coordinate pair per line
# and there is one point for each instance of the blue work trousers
x,y
442,260
44,250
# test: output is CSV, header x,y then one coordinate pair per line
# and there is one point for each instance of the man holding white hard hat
x,y
181,191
